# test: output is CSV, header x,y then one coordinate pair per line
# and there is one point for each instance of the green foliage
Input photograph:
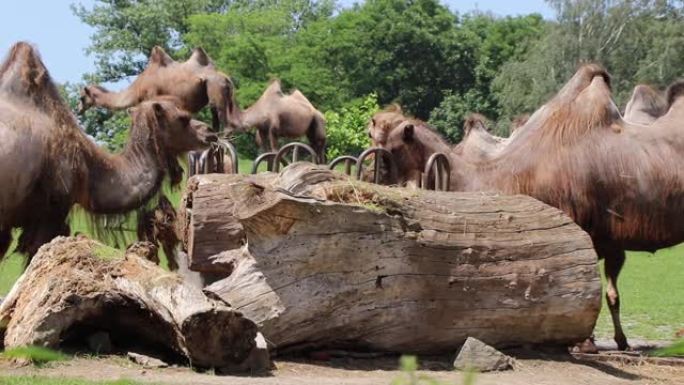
x,y
674,350
346,129
126,31
637,41
36,354
35,380
409,366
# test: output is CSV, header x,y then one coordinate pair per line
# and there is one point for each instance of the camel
x,y
276,114
645,106
477,143
195,83
383,122
48,164
621,184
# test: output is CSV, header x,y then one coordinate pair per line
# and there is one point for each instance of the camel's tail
x,y
316,135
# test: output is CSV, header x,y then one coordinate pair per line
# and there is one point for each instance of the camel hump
x,y
648,99
200,57
159,56
474,121
394,107
674,91
23,65
592,70
274,87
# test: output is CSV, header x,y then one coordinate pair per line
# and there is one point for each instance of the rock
x,y
146,361
100,343
476,355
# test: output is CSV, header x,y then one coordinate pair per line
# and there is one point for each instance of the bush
x,y
346,129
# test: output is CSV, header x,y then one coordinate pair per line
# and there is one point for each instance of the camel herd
x,y
617,176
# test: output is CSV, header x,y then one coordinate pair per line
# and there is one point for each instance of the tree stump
x,y
327,261
76,287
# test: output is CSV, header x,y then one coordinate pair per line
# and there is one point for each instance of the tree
x,y
497,41
637,41
126,31
346,128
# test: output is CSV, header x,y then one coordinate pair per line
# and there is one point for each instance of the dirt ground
x,y
552,369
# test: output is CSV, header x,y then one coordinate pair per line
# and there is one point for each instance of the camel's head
x,y
89,97
382,123
407,149
175,130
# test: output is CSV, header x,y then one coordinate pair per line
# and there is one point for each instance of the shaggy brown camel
x,y
158,226
276,115
645,106
47,163
383,122
622,184
477,143
195,83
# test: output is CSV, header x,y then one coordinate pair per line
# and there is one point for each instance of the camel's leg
x,y
273,139
215,121
614,259
5,241
218,95
261,139
316,136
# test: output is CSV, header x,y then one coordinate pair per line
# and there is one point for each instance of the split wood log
x,y
328,261
76,287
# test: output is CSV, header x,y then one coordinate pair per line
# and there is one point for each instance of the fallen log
x,y
75,288
327,261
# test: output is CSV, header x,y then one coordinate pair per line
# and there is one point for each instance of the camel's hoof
x,y
587,346
623,345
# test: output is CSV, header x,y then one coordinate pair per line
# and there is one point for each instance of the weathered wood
x,y
76,287
330,261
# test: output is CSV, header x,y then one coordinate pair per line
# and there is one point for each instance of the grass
x,y
35,354
651,296
35,380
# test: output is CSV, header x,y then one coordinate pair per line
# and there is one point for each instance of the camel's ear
x,y
373,121
409,133
86,90
158,110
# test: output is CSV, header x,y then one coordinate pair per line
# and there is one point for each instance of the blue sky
x,y
62,38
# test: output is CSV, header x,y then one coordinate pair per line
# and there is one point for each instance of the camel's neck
x,y
120,183
117,100
251,117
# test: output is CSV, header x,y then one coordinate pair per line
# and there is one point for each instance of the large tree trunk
x,y
329,261
75,288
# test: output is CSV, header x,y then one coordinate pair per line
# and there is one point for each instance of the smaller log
x,y
75,287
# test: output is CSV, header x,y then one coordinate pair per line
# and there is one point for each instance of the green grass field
x,y
651,287
30,380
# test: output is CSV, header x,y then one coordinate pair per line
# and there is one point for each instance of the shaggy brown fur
x,y
47,164
276,115
623,185
195,83
674,91
645,106
383,122
477,143
158,226
519,121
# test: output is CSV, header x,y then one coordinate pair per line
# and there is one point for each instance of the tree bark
x,y
75,287
328,261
